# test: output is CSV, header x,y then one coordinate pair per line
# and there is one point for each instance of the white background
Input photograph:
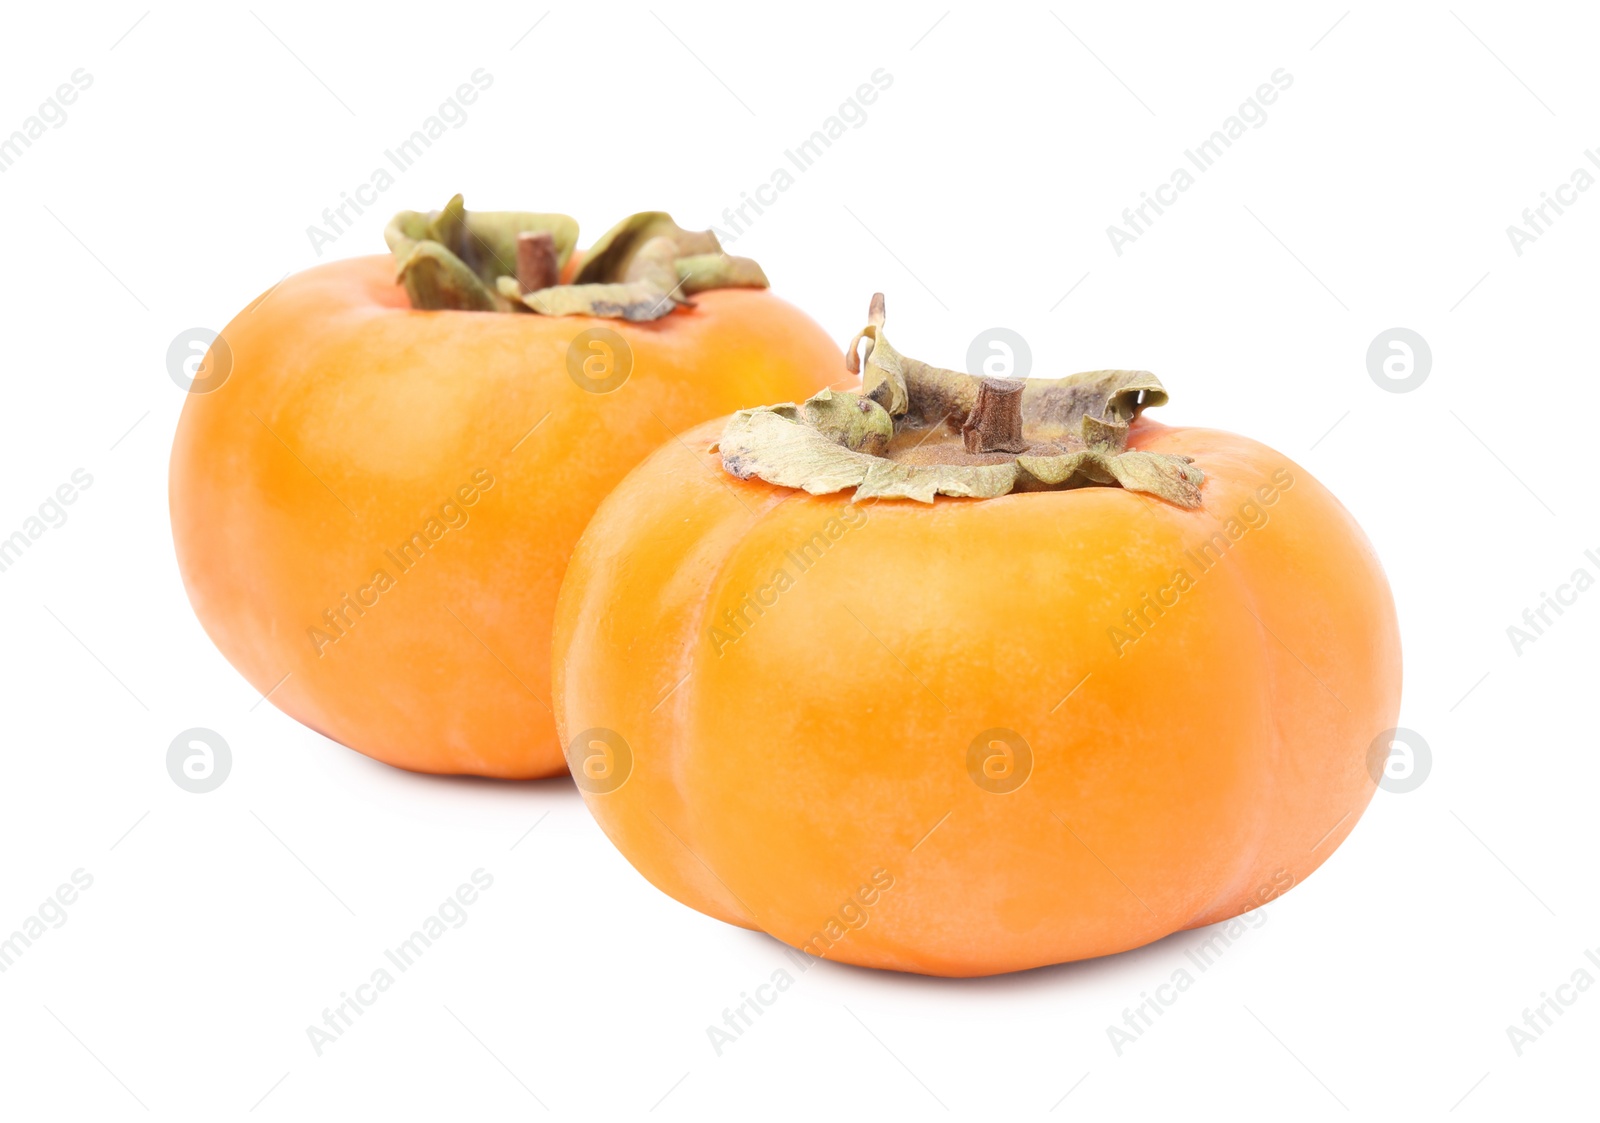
x,y
976,194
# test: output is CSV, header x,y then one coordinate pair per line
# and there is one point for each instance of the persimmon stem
x,y
1038,434
995,423
537,266
458,260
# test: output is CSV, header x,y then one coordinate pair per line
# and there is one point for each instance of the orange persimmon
x,y
1125,687
374,500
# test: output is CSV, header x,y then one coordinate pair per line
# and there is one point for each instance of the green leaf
x,y
640,269
608,259
1076,429
636,301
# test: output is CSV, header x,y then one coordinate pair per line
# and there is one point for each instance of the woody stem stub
x,y
537,266
995,423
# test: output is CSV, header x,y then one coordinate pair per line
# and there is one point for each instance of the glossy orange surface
x,y
373,512
979,735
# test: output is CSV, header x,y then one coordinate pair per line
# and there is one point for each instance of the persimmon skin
x,y
348,421
1177,780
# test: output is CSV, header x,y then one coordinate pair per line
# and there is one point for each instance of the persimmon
x,y
1122,682
373,506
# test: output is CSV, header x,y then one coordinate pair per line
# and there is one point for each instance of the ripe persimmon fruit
x,y
372,508
1122,682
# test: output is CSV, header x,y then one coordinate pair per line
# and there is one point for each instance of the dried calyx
x,y
510,261
915,431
